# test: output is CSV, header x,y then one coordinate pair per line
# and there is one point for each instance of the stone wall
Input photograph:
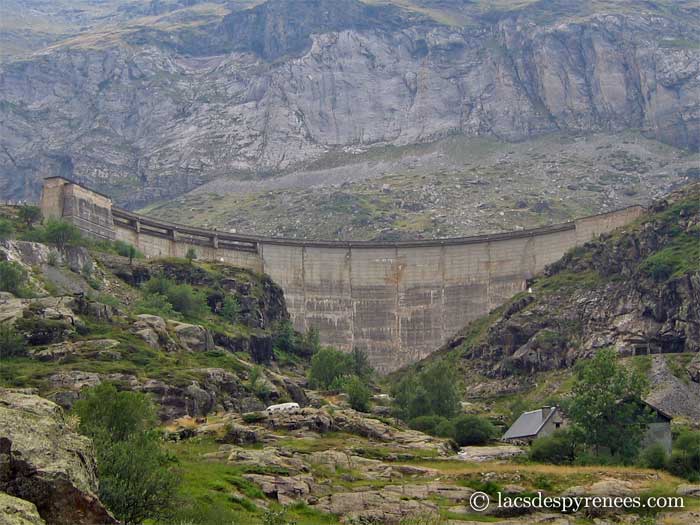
x,y
398,301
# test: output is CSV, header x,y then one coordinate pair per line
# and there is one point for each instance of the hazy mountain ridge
x,y
152,112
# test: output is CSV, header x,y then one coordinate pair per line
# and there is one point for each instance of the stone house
x,y
535,423
544,421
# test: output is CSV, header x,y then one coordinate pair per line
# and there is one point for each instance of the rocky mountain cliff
x,y
150,107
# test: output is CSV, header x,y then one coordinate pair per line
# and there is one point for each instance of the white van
x,y
282,407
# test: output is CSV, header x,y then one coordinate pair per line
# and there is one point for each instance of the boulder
x,y
285,489
153,330
74,380
45,462
386,506
240,435
273,459
494,453
102,349
692,491
193,337
15,511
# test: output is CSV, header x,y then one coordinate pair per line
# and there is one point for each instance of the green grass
x,y
214,492
681,256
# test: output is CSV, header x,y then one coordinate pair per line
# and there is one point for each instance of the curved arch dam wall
x,y
397,301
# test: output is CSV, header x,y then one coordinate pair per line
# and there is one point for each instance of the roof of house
x,y
528,424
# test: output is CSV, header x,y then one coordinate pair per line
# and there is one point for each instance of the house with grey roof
x,y
535,423
544,421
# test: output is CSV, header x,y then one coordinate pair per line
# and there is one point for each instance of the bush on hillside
x,y
328,367
473,430
427,424
60,233
7,229
654,456
558,448
182,297
433,391
29,215
136,481
685,458
359,394
13,278
12,344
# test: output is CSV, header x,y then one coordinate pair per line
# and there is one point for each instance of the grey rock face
x,y
46,463
285,83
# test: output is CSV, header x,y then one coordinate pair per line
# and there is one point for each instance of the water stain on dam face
x,y
397,301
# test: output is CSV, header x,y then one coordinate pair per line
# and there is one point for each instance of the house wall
x,y
398,301
659,432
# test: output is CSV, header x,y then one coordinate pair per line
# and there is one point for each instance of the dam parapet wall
x,y
398,301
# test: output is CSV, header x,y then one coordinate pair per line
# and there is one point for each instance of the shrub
x,y
191,255
156,304
360,364
445,429
257,383
186,300
358,394
328,366
29,215
136,482
654,456
427,424
473,430
127,250
558,448
231,309
12,344
12,278
182,297
685,458
432,391
285,337
7,229
61,233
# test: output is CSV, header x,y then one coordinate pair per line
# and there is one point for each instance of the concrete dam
x,y
398,301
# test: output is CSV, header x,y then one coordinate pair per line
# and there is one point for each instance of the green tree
x,y
359,394
473,430
136,481
191,255
328,366
13,278
685,458
61,233
360,364
12,344
434,390
7,229
285,337
29,215
606,406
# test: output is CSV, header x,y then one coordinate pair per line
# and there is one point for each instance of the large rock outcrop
x,y
46,463
158,110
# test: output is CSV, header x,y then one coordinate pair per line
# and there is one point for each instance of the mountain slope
x,y
155,107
